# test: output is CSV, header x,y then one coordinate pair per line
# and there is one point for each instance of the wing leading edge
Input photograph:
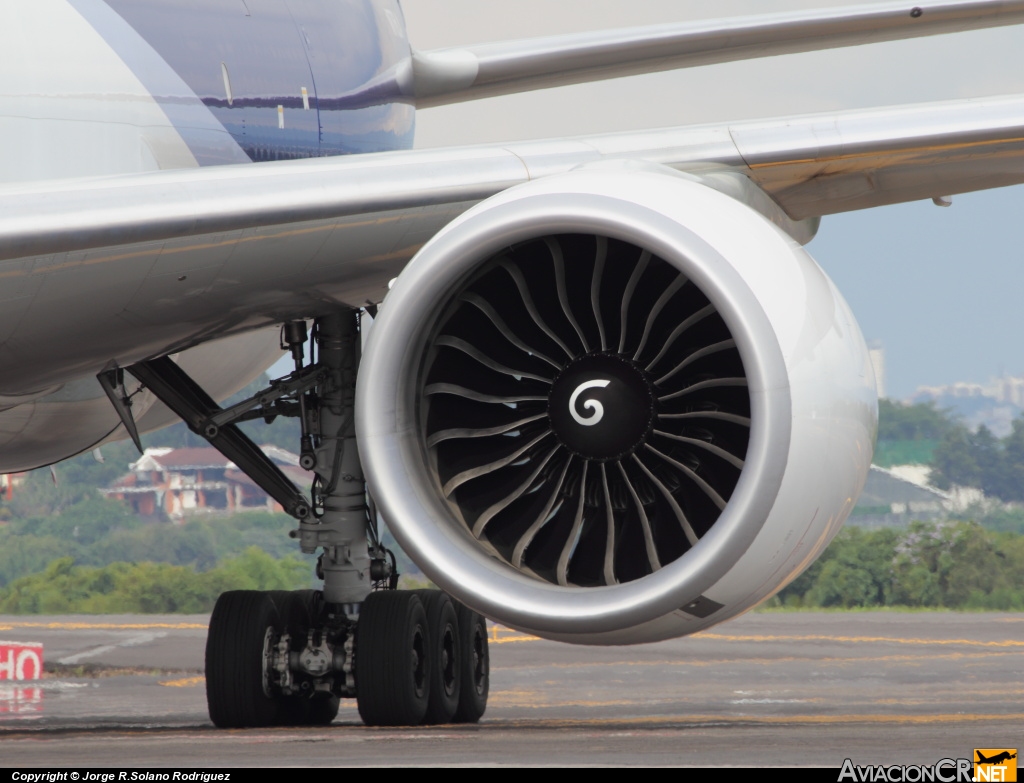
x,y
811,165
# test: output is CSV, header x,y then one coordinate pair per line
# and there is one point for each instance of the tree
x,y
898,421
1012,474
957,565
147,588
981,460
955,461
988,453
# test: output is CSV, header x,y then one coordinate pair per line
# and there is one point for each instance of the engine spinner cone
x,y
602,407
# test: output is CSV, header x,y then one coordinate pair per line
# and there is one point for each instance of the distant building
x,y
876,353
995,404
194,481
8,481
897,496
1007,390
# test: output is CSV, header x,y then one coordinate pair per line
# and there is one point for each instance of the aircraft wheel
x,y
322,709
445,674
299,611
392,659
475,665
244,627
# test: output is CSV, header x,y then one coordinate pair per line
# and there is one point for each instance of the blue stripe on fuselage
x,y
205,136
270,50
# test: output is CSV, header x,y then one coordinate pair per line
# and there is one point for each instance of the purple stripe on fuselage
x,y
201,131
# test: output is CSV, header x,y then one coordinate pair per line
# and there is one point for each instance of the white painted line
x,y
131,641
87,654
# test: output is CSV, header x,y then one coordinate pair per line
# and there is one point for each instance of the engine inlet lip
x,y
390,432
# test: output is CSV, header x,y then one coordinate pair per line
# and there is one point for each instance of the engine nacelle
x,y
614,406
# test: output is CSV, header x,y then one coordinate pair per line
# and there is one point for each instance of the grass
x,y
94,671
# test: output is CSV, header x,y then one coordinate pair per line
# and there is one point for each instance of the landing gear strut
x,y
287,658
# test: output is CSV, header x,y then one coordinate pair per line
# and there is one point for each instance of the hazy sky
x,y
939,287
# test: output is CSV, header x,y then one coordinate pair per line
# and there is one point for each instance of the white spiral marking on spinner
x,y
594,405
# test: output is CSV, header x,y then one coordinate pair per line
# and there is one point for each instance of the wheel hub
x,y
419,668
601,407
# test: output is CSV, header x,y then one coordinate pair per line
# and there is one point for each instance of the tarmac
x,y
766,689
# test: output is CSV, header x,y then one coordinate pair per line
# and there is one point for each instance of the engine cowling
x,y
614,406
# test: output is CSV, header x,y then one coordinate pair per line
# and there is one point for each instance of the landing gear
x,y
301,613
287,658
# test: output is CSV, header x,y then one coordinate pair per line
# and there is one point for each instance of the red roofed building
x,y
8,481
192,481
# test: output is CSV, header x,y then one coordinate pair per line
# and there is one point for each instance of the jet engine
x,y
614,406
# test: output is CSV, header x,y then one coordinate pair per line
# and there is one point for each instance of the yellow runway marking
x,y
86,626
859,639
824,720
502,635
185,682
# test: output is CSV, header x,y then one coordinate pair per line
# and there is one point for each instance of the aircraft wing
x,y
809,165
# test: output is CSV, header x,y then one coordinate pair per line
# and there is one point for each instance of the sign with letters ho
x,y
21,661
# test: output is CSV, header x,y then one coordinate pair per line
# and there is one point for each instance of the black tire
x,y
298,610
392,659
322,709
236,679
475,665
446,658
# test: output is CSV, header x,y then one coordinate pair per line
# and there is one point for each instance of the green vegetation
x,y
94,531
924,434
909,434
147,588
64,548
98,532
1005,520
921,421
953,565
980,459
